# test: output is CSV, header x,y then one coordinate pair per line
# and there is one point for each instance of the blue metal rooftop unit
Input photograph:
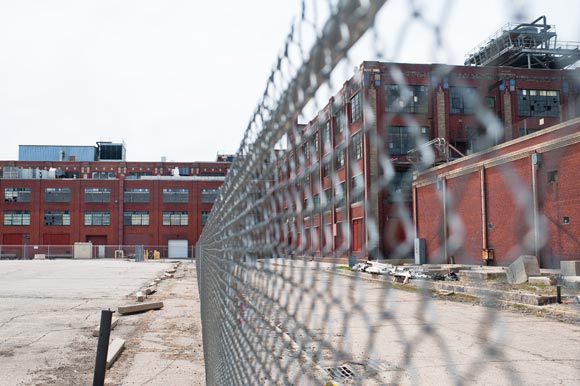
x,y
56,153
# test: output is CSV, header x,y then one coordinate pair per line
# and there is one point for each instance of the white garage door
x,y
177,248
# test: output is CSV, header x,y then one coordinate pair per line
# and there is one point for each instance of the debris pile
x,y
402,272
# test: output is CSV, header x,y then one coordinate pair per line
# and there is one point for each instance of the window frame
x,y
59,218
175,218
11,215
404,146
357,145
53,194
355,107
529,99
464,98
175,195
17,194
142,215
103,218
91,195
407,98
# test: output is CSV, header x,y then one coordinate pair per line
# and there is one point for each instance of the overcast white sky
x,y
181,78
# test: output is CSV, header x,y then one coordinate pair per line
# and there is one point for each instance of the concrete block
x,y
542,280
570,268
140,297
150,290
171,270
478,275
134,308
167,275
572,282
524,266
114,322
39,256
115,349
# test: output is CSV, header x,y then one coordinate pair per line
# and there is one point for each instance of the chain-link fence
x,y
335,167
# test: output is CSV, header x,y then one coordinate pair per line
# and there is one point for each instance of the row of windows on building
x,y
100,218
414,99
134,175
400,139
324,202
103,195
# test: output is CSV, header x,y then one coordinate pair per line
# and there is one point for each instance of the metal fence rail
x,y
26,252
275,309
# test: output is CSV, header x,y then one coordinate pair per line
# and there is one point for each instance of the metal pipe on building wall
x,y
535,162
444,190
415,214
483,192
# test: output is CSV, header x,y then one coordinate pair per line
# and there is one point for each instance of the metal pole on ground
x,y
102,348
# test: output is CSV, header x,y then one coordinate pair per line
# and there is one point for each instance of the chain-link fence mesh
x,y
324,176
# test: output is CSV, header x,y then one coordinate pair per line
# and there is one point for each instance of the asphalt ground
x,y
49,308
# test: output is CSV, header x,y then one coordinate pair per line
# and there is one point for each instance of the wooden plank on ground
x,y
115,348
133,308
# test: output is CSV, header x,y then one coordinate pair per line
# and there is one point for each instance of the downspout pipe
x,y
483,209
536,161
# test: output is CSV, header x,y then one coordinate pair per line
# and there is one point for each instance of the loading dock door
x,y
177,248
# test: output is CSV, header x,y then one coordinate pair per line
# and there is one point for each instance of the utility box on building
x,y
83,250
420,257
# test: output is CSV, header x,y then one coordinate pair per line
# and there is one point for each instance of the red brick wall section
x,y
509,213
154,234
429,221
559,199
464,218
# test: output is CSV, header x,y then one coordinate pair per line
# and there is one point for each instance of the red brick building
x,y
110,203
520,197
380,114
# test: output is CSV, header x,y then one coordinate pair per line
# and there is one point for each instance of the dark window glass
x,y
355,107
56,217
407,99
17,194
140,195
463,100
401,139
57,194
97,195
357,145
538,103
175,195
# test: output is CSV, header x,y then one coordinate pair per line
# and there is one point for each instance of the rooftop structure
x,y
525,45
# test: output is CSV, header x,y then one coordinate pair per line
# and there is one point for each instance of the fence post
x,y
102,348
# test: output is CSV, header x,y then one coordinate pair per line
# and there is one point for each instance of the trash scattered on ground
x,y
402,273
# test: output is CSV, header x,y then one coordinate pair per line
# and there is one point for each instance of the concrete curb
x,y
541,303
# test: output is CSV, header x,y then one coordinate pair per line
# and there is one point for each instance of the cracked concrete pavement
x,y
48,309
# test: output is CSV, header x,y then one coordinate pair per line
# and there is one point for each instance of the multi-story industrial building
x,y
387,114
60,195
